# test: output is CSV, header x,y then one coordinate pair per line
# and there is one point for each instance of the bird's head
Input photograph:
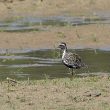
x,y
62,46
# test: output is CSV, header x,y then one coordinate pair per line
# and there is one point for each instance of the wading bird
x,y
71,60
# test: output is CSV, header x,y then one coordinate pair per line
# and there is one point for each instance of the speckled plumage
x,y
71,60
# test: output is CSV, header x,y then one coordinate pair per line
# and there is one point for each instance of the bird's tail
x,y
84,65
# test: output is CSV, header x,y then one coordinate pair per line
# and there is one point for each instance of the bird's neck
x,y
64,52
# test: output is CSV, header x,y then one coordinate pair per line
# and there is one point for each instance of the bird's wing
x,y
72,59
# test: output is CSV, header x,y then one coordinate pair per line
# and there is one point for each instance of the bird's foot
x,y
68,73
71,78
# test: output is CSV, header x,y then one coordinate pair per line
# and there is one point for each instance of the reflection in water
x,y
38,64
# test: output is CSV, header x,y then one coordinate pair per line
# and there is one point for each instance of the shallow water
x,y
37,23
41,64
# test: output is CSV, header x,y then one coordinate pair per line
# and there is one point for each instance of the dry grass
x,y
95,36
88,93
49,7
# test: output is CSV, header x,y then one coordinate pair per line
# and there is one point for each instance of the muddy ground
x,y
87,36
85,93
11,8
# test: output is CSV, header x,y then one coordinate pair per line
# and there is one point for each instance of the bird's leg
x,y
73,72
69,71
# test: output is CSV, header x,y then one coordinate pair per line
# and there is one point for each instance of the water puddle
x,y
37,23
39,64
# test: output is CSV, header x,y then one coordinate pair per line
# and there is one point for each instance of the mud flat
x,y
87,36
19,8
79,93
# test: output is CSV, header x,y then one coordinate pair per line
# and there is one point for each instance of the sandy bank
x,y
88,36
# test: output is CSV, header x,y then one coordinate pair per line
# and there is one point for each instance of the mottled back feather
x,y
72,60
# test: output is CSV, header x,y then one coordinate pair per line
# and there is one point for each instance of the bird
x,y
69,59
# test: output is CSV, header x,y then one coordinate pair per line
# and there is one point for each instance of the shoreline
x,y
26,50
86,36
103,48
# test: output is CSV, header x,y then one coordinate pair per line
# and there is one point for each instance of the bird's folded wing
x,y
72,59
